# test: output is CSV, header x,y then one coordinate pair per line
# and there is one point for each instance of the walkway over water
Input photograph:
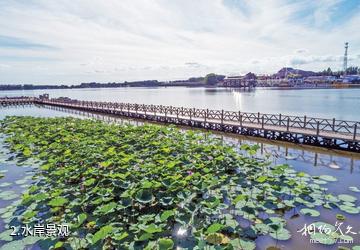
x,y
329,133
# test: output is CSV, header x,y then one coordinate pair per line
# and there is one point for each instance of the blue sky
x,y
67,41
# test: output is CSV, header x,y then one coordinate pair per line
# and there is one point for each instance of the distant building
x,y
320,79
249,80
350,78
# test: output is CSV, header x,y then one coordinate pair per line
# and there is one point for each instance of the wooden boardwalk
x,y
329,133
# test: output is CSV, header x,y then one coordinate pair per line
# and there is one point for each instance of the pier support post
x,y
355,131
288,124
317,128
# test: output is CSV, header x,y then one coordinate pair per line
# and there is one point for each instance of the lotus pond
x,y
155,187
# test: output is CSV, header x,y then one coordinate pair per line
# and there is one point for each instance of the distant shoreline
x,y
200,85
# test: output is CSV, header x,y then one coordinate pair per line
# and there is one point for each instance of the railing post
x,y
288,124
317,128
258,117
355,128
222,117
205,115
333,125
304,121
262,122
279,119
240,118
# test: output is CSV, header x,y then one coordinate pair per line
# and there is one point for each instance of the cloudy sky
x,y
74,41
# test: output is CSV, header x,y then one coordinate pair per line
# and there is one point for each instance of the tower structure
x,y
345,57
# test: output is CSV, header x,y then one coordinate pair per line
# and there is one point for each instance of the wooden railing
x,y
262,119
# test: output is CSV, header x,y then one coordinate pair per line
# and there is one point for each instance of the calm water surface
x,y
343,104
301,158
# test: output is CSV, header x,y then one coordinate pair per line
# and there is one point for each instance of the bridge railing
x,y
262,119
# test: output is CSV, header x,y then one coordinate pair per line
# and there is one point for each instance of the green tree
x,y
211,79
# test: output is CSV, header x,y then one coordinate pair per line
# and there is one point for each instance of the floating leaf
x,y
327,178
144,196
349,210
217,239
323,238
340,217
58,202
311,212
347,197
102,233
354,189
107,208
214,228
281,234
166,214
152,228
165,244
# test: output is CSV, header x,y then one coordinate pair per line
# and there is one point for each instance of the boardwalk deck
x,y
329,133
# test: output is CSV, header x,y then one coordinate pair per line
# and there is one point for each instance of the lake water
x,y
342,104
319,102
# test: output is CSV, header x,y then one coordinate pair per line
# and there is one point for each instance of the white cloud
x,y
137,39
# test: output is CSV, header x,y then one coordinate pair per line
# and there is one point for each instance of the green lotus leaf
x,y
103,233
107,208
281,234
165,244
152,228
166,214
217,239
347,197
6,235
58,202
81,218
89,182
311,212
144,196
354,189
340,217
327,178
5,184
349,210
323,238
243,244
214,228
19,182
145,236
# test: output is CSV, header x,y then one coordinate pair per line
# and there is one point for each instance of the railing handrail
x,y
304,122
